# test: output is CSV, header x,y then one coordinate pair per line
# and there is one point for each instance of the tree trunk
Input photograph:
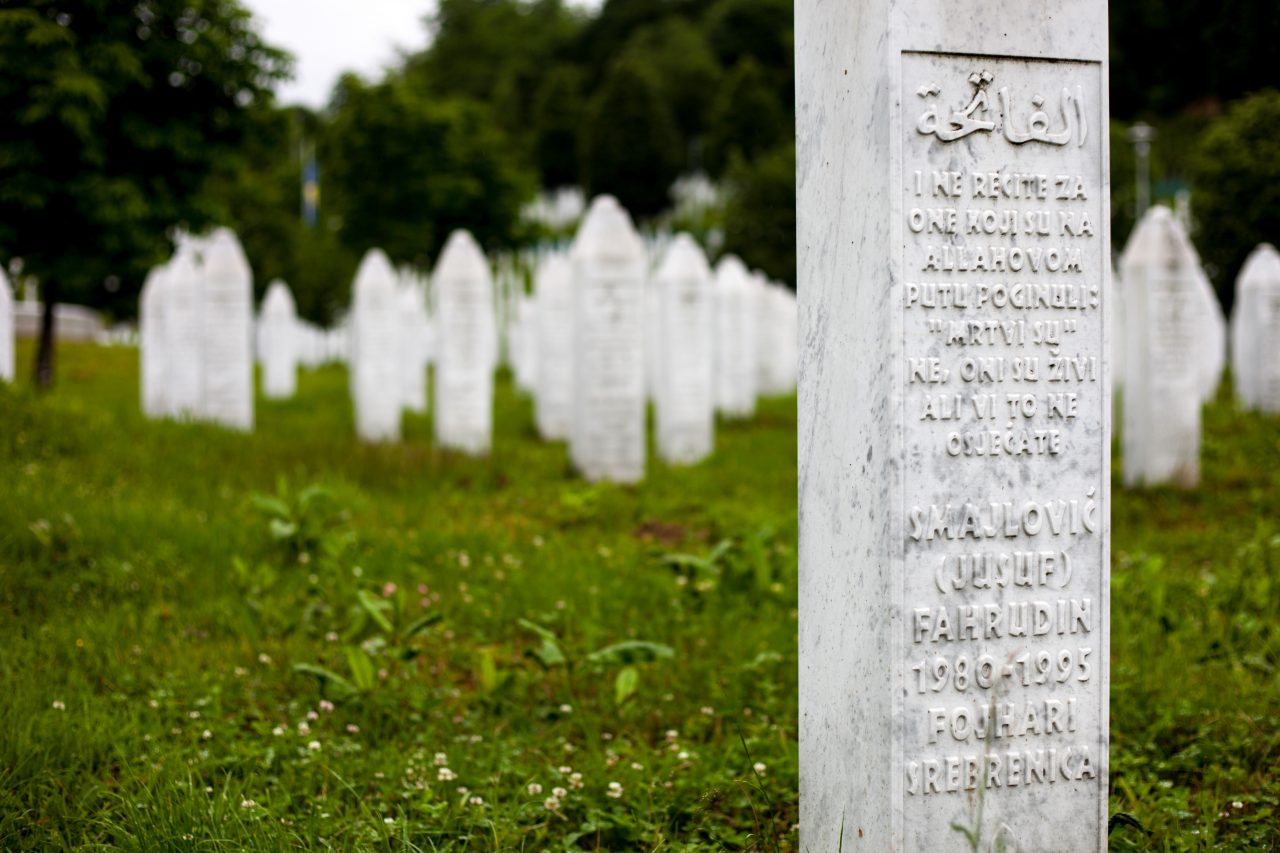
x,y
44,349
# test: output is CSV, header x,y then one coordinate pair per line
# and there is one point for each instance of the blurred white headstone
x,y
226,307
553,400
736,321
6,329
182,329
607,439
152,356
1213,336
467,341
375,351
280,337
524,339
1163,339
685,387
415,343
1255,331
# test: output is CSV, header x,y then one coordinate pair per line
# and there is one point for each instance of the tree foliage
x,y
404,168
118,119
1236,173
760,219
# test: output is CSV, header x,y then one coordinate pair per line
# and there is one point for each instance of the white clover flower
x,y
314,746
615,790
277,731
559,793
708,711
195,715
247,804
566,770
672,735
59,705
388,820
352,728
683,756
759,767
566,708
444,774
534,789
206,734
477,801
551,804
312,715
304,729
636,765
441,759
575,781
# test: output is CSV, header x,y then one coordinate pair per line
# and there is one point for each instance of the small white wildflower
x,y
277,731
566,708
534,789
59,705
559,793
551,804
708,711
352,728
636,765
331,637
304,729
463,790
314,746
477,801
441,759
154,704
615,790
264,658
759,768
672,735
575,781
240,672
247,804
195,715
388,820
683,756
566,770
313,716
1236,804
568,747
206,734
444,774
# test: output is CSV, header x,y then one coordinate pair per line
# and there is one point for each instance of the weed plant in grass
x,y
213,641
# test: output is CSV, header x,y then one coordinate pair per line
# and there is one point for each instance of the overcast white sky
x,y
328,37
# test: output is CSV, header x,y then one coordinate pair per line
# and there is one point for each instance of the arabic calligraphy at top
x,y
977,117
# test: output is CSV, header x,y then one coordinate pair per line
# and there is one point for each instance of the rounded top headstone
x,y
375,278
224,259
731,272
607,231
684,259
461,257
1261,268
1158,239
278,299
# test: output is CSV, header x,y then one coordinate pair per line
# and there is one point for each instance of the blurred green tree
x,y
631,144
403,168
559,109
760,216
118,116
1235,179
687,72
746,119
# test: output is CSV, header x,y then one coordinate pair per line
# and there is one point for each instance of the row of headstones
x,y
1170,343
597,339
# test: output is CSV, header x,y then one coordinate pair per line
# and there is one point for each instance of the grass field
x,y
212,641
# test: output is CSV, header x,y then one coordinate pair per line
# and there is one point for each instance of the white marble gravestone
x,y
524,341
226,308
685,403
1255,331
182,341
1164,339
1212,338
553,398
415,343
6,329
607,436
375,349
736,319
771,338
953,267
152,356
281,341
467,347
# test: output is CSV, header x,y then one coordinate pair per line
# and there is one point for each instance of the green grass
x,y
161,582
